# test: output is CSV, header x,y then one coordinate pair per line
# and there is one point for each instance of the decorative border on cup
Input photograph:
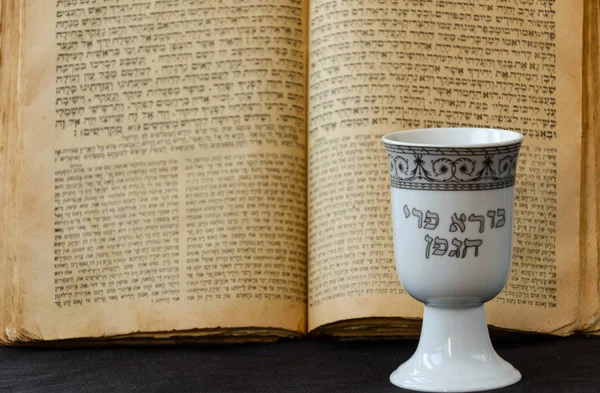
x,y
452,169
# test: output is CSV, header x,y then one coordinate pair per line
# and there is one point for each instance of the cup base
x,y
455,354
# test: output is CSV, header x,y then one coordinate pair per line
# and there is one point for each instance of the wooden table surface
x,y
548,364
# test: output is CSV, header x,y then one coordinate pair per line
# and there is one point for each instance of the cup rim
x,y
509,137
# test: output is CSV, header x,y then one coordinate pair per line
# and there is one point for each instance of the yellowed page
x,y
589,272
386,66
164,182
589,279
593,111
10,16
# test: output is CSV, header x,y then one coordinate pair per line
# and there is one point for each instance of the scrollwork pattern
x,y
448,169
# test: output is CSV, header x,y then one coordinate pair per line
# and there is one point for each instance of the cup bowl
x,y
463,279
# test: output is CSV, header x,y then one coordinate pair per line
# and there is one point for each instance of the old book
x,y
197,170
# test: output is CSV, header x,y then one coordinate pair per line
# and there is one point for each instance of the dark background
x,y
548,364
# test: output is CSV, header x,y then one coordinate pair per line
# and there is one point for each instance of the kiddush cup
x,y
452,213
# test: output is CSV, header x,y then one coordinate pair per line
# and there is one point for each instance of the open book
x,y
177,169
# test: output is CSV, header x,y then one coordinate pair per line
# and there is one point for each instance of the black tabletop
x,y
548,364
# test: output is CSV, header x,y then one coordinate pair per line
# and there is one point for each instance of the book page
x,y
164,167
386,66
10,15
589,275
592,75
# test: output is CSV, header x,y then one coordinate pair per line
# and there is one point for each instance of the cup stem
x,y
463,330
454,354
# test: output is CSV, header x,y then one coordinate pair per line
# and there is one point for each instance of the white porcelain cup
x,y
452,216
